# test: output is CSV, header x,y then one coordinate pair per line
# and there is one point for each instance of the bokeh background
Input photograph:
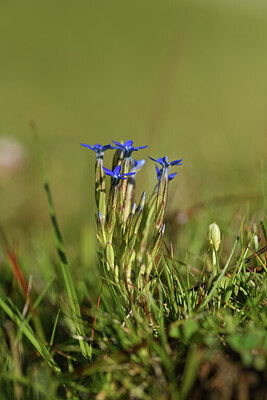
x,y
188,78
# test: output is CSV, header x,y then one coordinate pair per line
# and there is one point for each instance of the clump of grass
x,y
142,325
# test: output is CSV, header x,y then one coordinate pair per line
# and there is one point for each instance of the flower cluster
x,y
137,231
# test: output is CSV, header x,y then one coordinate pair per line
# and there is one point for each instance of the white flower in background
x,y
12,155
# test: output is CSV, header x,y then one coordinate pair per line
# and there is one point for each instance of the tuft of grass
x,y
140,323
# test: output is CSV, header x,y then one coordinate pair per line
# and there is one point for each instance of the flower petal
x,y
118,144
176,162
161,160
129,173
128,143
140,147
108,172
138,165
171,176
158,172
153,159
107,147
87,145
117,169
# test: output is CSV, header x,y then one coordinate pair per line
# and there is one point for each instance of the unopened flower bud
x,y
214,236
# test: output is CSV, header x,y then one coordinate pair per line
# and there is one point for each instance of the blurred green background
x,y
188,78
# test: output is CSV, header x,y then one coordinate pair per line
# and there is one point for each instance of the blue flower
x,y
159,173
98,148
127,147
165,163
138,165
116,174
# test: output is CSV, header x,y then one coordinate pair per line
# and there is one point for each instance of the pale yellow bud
x,y
214,236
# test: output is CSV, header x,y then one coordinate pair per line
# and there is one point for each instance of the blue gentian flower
x,y
98,149
138,165
127,147
116,174
165,163
159,173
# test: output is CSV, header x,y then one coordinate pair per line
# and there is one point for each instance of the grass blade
x,y
28,332
69,285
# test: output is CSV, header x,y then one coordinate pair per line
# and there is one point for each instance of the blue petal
x,y
153,159
108,172
161,160
138,165
117,169
118,144
158,172
176,162
128,143
87,145
128,174
140,147
171,176
107,147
